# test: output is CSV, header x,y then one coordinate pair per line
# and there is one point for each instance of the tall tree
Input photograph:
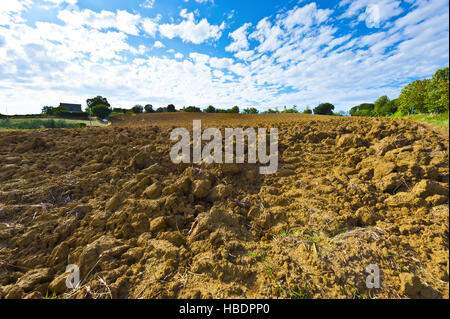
x,y
437,100
380,105
210,109
149,108
98,100
413,97
324,109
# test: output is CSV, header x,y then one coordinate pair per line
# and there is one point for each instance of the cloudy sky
x,y
265,54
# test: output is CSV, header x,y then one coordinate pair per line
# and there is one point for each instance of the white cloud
x,y
374,14
222,63
287,60
240,40
147,4
59,2
158,44
150,26
10,11
199,58
245,55
121,20
306,16
270,37
189,30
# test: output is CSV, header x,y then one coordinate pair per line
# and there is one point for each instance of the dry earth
x,y
350,192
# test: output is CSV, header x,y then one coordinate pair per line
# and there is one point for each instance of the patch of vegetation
x,y
34,124
324,109
300,293
425,100
438,120
53,296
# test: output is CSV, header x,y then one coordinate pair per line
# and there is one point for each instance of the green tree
x,y
234,109
324,109
210,109
437,98
98,100
307,110
48,110
138,109
250,110
271,111
380,106
413,97
292,110
119,110
101,111
149,108
171,108
365,109
192,109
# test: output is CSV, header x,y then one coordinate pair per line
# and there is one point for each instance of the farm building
x,y
71,107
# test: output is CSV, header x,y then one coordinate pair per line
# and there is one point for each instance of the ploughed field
x,y
349,193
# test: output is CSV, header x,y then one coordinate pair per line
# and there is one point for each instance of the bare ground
x,y
349,193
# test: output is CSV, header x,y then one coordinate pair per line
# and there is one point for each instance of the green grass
x,y
438,120
300,293
11,124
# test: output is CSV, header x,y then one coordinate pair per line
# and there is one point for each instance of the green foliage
x,y
250,110
307,111
384,107
171,108
210,109
380,105
48,110
439,120
413,97
436,100
98,100
192,109
365,109
292,110
235,110
137,109
271,111
118,110
34,124
149,108
419,97
324,109
71,115
101,111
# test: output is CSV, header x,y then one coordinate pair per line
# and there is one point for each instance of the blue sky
x,y
220,52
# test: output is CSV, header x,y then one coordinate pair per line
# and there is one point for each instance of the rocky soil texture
x,y
349,193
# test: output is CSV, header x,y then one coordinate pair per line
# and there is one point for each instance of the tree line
x,y
100,107
428,96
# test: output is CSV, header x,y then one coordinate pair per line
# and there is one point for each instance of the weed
x,y
300,293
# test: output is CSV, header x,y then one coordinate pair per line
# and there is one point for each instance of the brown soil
x,y
350,192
